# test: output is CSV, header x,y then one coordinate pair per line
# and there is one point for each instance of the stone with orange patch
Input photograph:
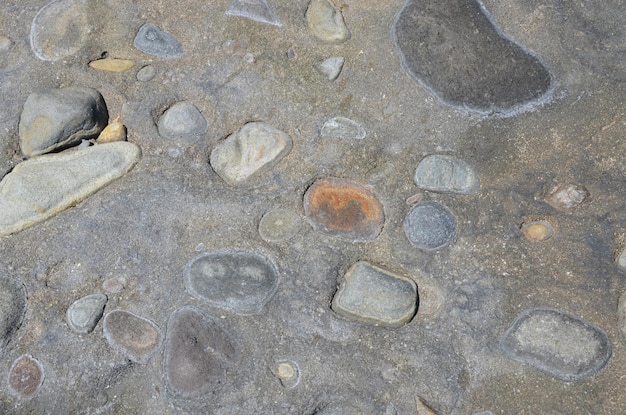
x,y
344,209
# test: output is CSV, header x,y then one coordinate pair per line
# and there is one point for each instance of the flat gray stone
x,y
257,10
446,174
53,119
342,128
182,119
331,67
249,152
12,308
43,186
136,337
197,353
279,225
326,22
83,315
430,226
452,48
239,281
152,40
558,343
146,73
59,29
375,296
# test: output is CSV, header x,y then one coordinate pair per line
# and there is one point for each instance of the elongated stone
x,y
558,343
446,174
342,128
43,186
112,64
257,10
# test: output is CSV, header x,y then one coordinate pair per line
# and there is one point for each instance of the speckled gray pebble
x,y
83,315
446,174
181,120
152,40
146,73
430,226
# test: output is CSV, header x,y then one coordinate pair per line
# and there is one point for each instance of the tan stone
x,y
112,64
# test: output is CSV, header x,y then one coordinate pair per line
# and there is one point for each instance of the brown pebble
x,y
25,376
116,131
537,230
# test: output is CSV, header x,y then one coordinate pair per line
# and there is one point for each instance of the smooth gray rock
x,y
257,10
43,186
146,73
279,225
59,29
249,152
239,281
197,353
430,226
558,343
83,315
375,296
152,40
12,307
342,128
326,22
182,119
331,67
136,337
446,174
54,119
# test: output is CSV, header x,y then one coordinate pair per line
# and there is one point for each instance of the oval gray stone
x,y
342,128
12,307
240,281
83,315
557,343
279,225
146,73
375,296
182,119
430,226
59,29
197,353
152,40
41,187
136,337
53,119
446,174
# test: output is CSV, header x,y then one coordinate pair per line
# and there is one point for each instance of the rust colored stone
x,y
344,209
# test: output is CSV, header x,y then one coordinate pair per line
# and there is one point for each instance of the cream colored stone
x,y
326,22
112,64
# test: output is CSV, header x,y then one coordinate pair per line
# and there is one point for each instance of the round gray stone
x,y
152,40
558,343
12,307
430,226
53,119
182,119
446,174
83,315
240,281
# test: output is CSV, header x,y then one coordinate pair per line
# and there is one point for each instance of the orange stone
x,y
344,209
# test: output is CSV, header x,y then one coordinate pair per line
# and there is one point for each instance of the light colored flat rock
x,y
43,186
253,150
446,174
326,22
83,315
331,67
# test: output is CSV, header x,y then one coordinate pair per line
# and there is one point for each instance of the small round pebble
x,y
279,225
537,230
182,119
287,372
146,73
25,376
430,226
84,313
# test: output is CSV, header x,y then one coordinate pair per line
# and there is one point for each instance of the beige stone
x,y
326,22
112,64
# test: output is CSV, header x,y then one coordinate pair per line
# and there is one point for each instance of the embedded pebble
x,y
59,29
112,64
287,372
344,209
53,119
6,44
12,307
331,67
83,315
146,73
453,50
41,187
249,152
257,10
279,225
182,119
430,226
557,343
25,376
621,259
446,174
152,40
239,281
134,336
116,131
373,295
621,314
197,353
566,197
326,22
342,128
539,230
